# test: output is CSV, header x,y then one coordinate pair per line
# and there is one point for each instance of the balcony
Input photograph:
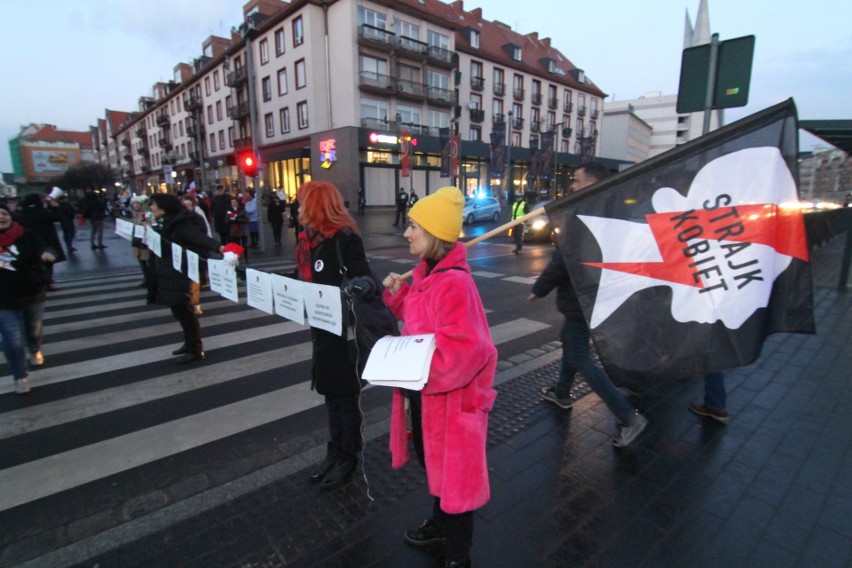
x,y
536,98
411,46
165,143
411,90
168,159
125,142
498,119
146,168
237,77
518,94
239,111
581,111
499,89
442,97
568,106
163,120
593,115
518,123
535,126
192,103
194,130
552,103
194,156
375,37
440,57
128,158
477,83
141,133
477,115
242,143
376,83
566,132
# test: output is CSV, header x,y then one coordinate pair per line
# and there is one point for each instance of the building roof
x,y
49,133
838,133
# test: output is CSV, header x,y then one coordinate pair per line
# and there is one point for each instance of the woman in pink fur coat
x,y
450,415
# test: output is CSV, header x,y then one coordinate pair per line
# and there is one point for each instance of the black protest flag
x,y
683,264
497,164
546,157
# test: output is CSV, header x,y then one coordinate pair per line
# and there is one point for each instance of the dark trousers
x,y
344,426
457,529
185,314
400,217
518,235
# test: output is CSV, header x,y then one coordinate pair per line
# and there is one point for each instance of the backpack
x,y
365,320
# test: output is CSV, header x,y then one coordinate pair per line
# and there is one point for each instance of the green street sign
x,y
733,75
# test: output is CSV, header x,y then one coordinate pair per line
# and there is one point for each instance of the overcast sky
x,y
65,61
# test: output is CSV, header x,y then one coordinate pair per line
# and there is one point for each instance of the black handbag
x,y
366,319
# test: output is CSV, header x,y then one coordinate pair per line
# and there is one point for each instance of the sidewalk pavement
x,y
770,488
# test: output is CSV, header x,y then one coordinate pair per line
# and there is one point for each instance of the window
x,y
284,116
301,79
474,39
373,68
497,107
438,80
407,29
516,138
302,112
477,82
266,86
212,143
209,114
218,110
581,104
516,53
279,42
264,52
269,122
207,85
594,108
228,101
551,120
518,86
476,101
436,39
298,33
282,81
371,18
517,112
216,80
408,115
408,73
499,83
221,139
377,110
593,128
231,136
475,134
579,130
438,119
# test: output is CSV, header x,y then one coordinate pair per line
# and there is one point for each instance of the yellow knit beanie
x,y
440,214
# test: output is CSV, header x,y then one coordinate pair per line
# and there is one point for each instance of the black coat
x,y
220,204
555,275
186,229
40,220
23,280
333,372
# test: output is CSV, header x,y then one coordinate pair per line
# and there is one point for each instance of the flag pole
x,y
493,232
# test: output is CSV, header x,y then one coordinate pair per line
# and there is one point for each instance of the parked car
x,y
539,227
481,209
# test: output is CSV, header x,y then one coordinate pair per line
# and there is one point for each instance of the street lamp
x,y
508,177
555,129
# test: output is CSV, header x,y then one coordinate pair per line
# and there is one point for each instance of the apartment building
x,y
327,90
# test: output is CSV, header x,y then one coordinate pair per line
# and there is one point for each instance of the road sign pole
x,y
711,81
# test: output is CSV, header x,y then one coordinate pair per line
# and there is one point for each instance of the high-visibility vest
x,y
518,210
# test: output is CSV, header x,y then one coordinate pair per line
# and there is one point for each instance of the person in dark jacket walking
x,y
94,209
221,204
328,225
401,207
576,352
40,219
22,285
174,289
275,216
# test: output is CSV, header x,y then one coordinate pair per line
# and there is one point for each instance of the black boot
x,y
340,474
323,469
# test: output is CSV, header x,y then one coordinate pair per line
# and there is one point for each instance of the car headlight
x,y
538,224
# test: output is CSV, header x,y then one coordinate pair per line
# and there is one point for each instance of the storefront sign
x,y
328,153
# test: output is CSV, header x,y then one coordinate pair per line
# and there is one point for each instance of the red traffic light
x,y
248,163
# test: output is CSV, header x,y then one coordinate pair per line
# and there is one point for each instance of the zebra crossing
x,y
108,355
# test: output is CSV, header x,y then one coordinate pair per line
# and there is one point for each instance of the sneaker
x,y
627,434
720,416
549,394
426,534
38,359
22,386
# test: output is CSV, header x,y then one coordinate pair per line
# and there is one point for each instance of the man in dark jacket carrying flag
x,y
576,353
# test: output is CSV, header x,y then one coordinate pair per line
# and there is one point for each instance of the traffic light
x,y
249,163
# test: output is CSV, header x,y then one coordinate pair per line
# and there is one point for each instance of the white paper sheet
x,y
402,362
289,300
323,307
259,290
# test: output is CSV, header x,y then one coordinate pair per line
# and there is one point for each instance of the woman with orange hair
x,y
329,228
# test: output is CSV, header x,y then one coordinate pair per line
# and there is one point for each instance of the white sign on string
x,y
177,257
192,266
259,290
323,307
289,299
